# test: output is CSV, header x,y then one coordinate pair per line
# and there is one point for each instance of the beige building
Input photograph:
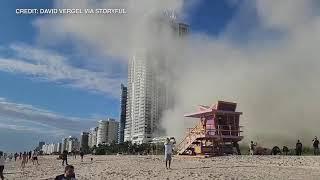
x,y
107,131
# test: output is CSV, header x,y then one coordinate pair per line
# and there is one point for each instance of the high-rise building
x,y
64,144
84,141
41,143
107,131
102,132
51,148
73,144
123,105
113,129
148,95
93,137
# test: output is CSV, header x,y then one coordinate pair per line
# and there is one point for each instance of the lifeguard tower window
x,y
226,106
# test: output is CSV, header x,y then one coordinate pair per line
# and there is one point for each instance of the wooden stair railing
x,y
195,133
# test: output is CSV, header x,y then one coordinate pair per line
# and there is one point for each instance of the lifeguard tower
x,y
216,133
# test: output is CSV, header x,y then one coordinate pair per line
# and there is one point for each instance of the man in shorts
x,y
35,158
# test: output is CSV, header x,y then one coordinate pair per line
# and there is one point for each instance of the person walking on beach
x,y
29,154
252,147
74,154
168,152
81,155
65,157
315,146
298,148
68,174
20,157
15,156
35,158
2,161
24,160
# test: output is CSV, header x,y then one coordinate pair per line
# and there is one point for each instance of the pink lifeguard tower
x,y
216,133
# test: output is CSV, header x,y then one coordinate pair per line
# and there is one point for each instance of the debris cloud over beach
x,y
269,66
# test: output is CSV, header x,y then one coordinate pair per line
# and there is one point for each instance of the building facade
x,y
70,144
41,143
92,141
84,141
51,148
148,94
123,105
64,144
73,145
107,131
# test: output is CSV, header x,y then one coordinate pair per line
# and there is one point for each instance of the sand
x,y
153,167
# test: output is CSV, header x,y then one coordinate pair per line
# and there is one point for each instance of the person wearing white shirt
x,y
2,161
168,152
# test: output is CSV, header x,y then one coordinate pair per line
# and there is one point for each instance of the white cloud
x,y
48,66
25,117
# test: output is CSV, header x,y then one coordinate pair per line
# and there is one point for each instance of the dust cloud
x,y
270,68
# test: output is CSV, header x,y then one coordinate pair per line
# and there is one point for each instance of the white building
x,y
107,131
64,144
92,141
51,148
148,95
73,144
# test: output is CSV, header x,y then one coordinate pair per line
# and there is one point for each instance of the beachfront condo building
x,y
148,94
70,144
92,140
84,142
107,131
123,108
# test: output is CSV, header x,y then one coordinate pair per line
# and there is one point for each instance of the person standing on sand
x,y
81,155
30,155
15,156
35,158
68,174
252,147
65,157
24,160
168,152
315,146
2,161
285,150
298,148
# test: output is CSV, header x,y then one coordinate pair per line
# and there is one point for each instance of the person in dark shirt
x,y
285,150
68,174
65,157
30,153
315,146
81,155
298,148
15,156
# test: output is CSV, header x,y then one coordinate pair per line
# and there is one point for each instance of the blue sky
x,y
52,83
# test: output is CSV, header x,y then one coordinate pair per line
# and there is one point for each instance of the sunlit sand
x,y
153,167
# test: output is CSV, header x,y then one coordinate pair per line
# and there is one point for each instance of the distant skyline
x,y
46,88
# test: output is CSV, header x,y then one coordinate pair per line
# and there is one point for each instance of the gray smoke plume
x,y
272,74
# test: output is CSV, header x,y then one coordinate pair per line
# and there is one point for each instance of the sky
x,y
46,86
60,74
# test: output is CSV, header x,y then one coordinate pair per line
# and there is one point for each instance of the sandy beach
x,y
152,167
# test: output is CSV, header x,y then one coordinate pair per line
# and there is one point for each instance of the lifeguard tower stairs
x,y
216,133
